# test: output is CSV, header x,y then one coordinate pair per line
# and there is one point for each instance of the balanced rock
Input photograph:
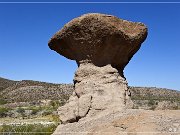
x,y
102,45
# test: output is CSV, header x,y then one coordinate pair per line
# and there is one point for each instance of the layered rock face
x,y
102,46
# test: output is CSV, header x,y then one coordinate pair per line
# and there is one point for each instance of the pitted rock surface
x,y
102,46
100,39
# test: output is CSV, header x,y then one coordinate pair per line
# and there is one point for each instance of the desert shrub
x,y
55,118
55,104
151,102
3,111
47,112
64,98
135,107
20,110
63,102
30,129
44,110
2,101
175,107
35,110
153,107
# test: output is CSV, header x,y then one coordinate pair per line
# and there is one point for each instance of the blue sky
x,y
26,28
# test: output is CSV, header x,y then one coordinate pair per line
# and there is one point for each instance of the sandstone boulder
x,y
126,122
102,45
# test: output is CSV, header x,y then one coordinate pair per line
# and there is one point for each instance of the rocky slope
x,y
28,90
154,93
4,83
33,91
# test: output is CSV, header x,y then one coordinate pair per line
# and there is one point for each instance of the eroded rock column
x,y
102,46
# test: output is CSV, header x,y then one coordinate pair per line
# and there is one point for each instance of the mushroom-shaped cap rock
x,y
99,39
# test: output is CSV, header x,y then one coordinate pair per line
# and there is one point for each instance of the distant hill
x,y
4,83
155,98
28,90
32,91
154,93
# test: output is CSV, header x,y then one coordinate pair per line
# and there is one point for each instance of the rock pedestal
x,y
102,46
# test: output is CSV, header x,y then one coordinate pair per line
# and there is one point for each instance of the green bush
x,y
20,110
30,129
47,112
55,104
2,101
35,110
55,118
3,111
135,107
151,102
